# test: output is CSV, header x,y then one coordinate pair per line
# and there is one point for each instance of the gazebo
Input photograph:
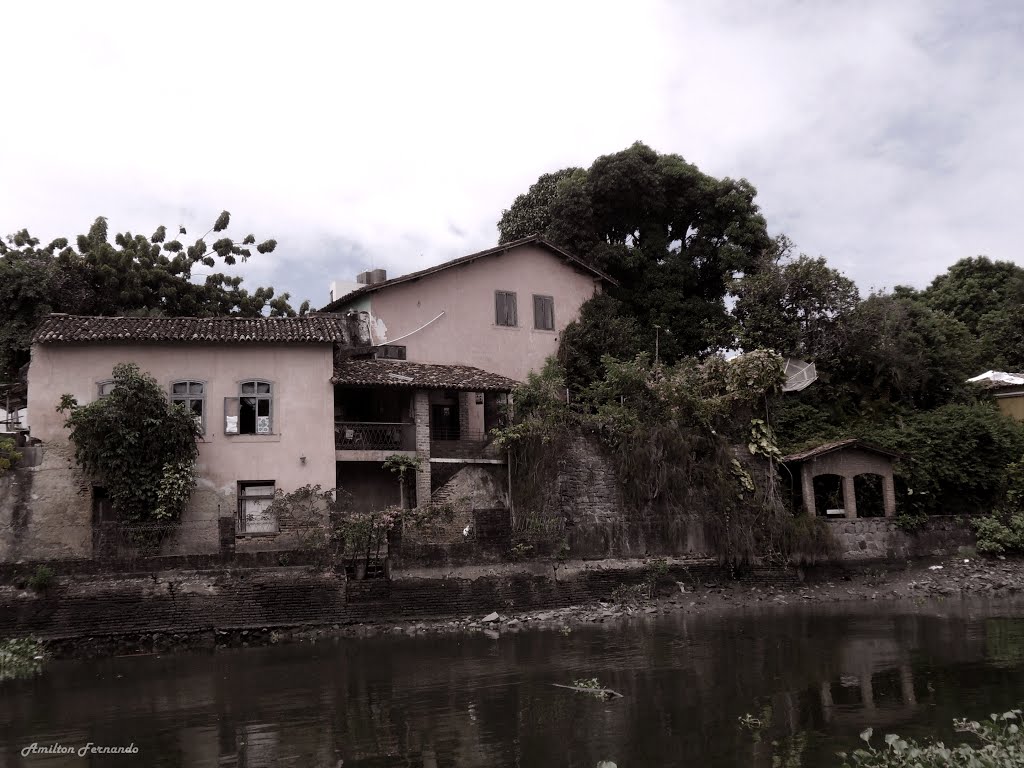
x,y
848,459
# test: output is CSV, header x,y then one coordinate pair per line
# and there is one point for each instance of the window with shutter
x,y
505,308
544,313
191,395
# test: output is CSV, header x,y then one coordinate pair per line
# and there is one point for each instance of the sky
x,y
886,136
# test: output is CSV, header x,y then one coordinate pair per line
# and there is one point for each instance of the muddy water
x,y
814,676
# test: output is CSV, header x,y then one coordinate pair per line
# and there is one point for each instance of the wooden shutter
x,y
231,416
510,304
505,308
544,313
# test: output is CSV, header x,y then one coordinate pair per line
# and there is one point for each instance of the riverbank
x,y
482,599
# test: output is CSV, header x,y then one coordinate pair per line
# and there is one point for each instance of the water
x,y
814,675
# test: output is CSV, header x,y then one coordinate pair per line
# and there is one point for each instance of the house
x,y
1007,389
266,393
501,310
838,473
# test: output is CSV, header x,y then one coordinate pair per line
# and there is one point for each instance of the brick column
x,y
807,482
889,494
464,413
421,411
849,497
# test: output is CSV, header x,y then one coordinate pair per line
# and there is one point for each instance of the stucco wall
x,y
302,422
467,334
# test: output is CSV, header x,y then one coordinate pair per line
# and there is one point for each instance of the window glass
x,y
255,408
254,514
191,394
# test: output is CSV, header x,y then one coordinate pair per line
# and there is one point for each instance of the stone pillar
x,y
889,494
421,412
464,400
807,482
849,497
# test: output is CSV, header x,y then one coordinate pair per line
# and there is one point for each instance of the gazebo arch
x,y
848,459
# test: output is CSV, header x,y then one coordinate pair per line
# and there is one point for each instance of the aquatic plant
x,y
999,745
21,657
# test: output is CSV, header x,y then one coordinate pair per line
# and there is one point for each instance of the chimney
x,y
372,277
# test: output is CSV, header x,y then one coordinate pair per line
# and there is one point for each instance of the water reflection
x,y
814,677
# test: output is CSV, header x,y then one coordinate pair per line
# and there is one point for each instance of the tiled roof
x,y
401,373
836,445
532,240
78,328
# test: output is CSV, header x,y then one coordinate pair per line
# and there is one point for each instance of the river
x,y
813,675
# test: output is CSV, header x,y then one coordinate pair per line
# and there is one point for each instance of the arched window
x,y
252,412
192,395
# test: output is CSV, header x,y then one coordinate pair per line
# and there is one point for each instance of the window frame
x,y
551,300
100,394
498,319
240,514
188,397
257,396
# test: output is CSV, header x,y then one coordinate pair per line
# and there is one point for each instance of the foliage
x,y
911,523
135,274
590,682
806,540
795,306
998,744
21,657
669,432
400,464
8,456
671,236
1003,530
42,579
137,445
310,514
973,287
604,327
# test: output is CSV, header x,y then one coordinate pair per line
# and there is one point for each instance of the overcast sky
x,y
887,136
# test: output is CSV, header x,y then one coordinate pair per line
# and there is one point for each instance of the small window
x,y
251,412
104,388
505,308
254,508
192,395
544,313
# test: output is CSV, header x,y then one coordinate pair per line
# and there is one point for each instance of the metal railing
x,y
374,436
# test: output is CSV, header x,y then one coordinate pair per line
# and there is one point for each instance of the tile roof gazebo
x,y
847,459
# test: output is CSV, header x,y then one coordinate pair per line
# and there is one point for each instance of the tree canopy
x,y
132,275
672,236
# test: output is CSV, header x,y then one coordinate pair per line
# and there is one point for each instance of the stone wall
x,y
880,539
222,600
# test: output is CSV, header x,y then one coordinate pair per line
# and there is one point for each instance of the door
x,y
444,422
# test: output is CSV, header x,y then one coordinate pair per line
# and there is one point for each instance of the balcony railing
x,y
374,436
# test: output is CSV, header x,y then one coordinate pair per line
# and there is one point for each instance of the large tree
x,y
795,306
973,287
671,235
133,275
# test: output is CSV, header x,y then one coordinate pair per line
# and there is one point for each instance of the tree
x,y
798,307
603,328
975,286
133,275
671,235
140,447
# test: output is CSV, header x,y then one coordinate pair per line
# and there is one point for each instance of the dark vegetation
x,y
892,366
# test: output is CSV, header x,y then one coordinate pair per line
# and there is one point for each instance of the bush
x,y
1001,745
8,456
808,540
20,657
43,578
1003,530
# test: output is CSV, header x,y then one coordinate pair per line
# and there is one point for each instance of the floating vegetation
x,y
21,657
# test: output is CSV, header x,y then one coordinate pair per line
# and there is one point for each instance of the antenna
x,y
799,375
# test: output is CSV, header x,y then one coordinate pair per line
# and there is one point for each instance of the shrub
x,y
42,579
138,445
807,540
21,657
8,456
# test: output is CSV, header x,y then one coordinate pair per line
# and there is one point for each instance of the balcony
x,y
464,444
374,436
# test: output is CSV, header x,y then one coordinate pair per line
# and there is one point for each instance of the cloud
x,y
884,136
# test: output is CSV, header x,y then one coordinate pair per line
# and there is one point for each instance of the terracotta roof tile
x,y
78,329
836,445
402,373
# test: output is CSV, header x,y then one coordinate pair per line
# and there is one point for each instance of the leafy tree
x,y
975,286
7,454
671,235
138,445
133,275
798,307
604,327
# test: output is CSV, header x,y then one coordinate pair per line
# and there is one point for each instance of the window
x,y
544,313
192,395
254,513
104,388
505,308
251,412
